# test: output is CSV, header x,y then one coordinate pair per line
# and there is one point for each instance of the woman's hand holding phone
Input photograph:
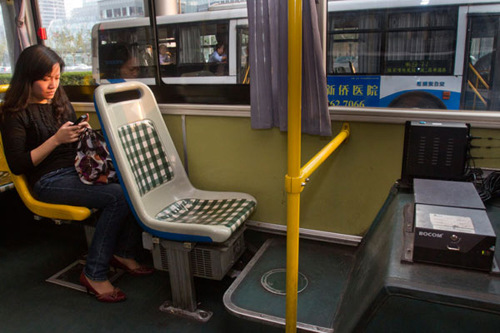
x,y
79,120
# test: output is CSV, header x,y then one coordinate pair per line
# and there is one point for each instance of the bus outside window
x,y
5,67
409,55
438,54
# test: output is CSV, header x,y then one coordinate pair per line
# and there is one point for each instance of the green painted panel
x,y
343,195
174,125
488,155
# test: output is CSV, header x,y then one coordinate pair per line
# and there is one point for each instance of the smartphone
x,y
79,120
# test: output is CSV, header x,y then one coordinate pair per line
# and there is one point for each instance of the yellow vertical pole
x,y
293,184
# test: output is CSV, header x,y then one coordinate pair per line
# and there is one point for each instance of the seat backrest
x,y
151,172
148,160
43,209
141,146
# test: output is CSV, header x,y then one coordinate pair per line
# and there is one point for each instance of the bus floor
x,y
31,251
369,288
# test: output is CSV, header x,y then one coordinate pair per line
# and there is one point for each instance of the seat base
x,y
69,276
198,314
177,258
208,261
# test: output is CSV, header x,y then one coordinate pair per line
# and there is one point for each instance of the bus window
x,y
416,42
354,43
394,57
185,43
191,46
5,67
421,42
479,84
167,49
69,26
126,53
243,61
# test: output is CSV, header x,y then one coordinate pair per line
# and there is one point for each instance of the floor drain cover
x,y
274,281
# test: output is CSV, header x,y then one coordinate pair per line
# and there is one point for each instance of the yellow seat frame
x,y
52,211
39,208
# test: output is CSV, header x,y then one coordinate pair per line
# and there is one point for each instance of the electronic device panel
x,y
434,150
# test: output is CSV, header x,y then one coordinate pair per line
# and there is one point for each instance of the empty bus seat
x,y
159,192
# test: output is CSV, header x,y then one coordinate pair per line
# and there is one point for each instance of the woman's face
x,y
130,69
44,90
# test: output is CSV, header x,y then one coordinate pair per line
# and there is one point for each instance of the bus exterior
x,y
434,54
185,41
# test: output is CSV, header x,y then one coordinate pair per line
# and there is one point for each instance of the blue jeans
x,y
116,230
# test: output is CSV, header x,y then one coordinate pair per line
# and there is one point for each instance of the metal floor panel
x,y
326,268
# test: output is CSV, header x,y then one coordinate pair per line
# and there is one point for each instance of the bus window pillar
x,y
167,7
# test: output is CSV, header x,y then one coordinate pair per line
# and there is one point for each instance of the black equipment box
x,y
446,193
435,150
451,226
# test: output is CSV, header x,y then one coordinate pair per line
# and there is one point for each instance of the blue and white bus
x,y
413,54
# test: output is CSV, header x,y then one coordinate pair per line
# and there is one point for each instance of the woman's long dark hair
x,y
34,63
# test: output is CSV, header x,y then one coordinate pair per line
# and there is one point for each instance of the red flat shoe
x,y
112,297
139,271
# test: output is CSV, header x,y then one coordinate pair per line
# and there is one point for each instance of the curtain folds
x,y
22,40
268,50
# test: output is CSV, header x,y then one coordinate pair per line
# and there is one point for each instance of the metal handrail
x,y
324,153
295,180
476,92
294,151
479,76
474,87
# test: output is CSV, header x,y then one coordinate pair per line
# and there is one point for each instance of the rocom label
x,y
430,234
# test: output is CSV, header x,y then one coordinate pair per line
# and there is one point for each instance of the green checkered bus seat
x,y
230,213
145,153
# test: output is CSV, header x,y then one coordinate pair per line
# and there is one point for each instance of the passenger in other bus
x,y
218,55
165,56
147,56
40,141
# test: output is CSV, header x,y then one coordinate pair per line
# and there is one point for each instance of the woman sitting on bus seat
x,y
40,141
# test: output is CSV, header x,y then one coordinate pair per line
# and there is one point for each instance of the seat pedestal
x,y
182,283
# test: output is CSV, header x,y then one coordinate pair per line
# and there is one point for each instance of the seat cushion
x,y
230,213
